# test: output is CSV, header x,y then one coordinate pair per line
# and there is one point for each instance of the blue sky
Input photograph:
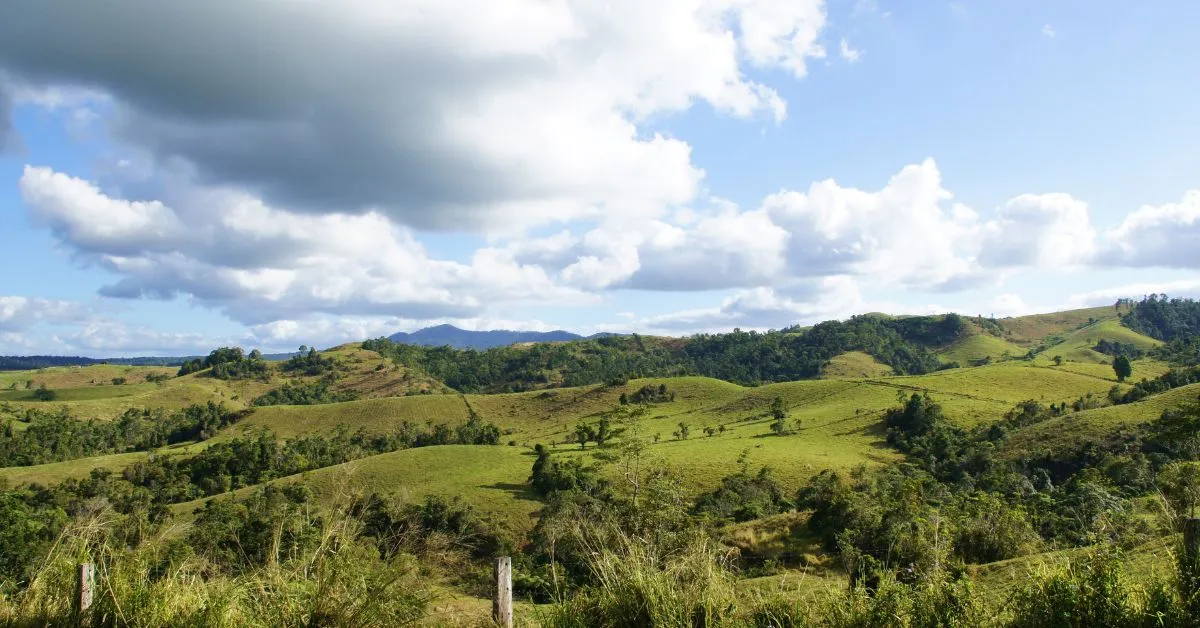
x,y
339,171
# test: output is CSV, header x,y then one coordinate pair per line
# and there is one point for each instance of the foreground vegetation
x,y
1041,480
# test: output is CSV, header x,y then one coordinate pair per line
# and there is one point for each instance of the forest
x,y
743,357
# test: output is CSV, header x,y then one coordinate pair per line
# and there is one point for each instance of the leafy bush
x,y
304,394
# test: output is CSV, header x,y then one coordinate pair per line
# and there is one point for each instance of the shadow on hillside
x,y
523,491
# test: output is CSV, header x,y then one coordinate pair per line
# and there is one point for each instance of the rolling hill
x,y
701,429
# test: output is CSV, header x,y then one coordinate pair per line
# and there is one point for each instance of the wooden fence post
x,y
1191,535
87,586
502,598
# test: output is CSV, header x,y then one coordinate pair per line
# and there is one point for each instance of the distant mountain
x,y
466,339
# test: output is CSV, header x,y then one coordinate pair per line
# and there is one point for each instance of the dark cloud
x,y
277,99
8,133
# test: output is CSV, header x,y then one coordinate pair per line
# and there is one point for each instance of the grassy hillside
x,y
1031,330
1063,433
798,428
855,364
490,479
978,346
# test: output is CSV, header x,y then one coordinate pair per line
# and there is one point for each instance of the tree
x,y
682,432
777,411
1122,367
583,434
1058,360
44,394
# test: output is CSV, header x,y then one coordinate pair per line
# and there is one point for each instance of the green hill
x,y
712,412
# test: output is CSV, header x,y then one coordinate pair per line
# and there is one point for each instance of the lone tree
x,y
44,394
777,411
1122,367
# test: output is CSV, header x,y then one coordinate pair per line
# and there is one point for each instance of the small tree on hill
x,y
1122,367
1058,360
44,394
682,432
777,411
583,434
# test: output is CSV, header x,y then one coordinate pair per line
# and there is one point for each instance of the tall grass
x,y
342,582
694,586
639,583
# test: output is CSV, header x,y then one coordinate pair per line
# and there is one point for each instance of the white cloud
x,y
1108,296
760,308
257,264
111,338
1165,235
902,234
530,111
1049,230
848,53
1048,32
19,313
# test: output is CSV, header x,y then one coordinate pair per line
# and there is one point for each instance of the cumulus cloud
x,y
529,111
1108,296
256,263
1052,230
19,313
1165,235
761,308
903,233
107,337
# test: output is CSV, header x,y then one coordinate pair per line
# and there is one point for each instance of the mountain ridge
x,y
449,335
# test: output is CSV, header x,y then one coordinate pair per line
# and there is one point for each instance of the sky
x,y
179,176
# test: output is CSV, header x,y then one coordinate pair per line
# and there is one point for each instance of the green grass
x,y
980,394
490,478
55,472
81,393
1061,434
855,364
78,376
1147,368
373,415
1030,330
1077,344
977,346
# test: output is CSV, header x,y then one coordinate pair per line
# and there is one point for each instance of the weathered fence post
x,y
1191,545
502,598
1189,566
86,590
1191,536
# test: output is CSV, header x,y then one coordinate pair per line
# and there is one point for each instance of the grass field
x,y
75,376
1030,330
855,364
55,472
1062,433
978,346
490,478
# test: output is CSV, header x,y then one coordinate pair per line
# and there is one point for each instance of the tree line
x,y
743,357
